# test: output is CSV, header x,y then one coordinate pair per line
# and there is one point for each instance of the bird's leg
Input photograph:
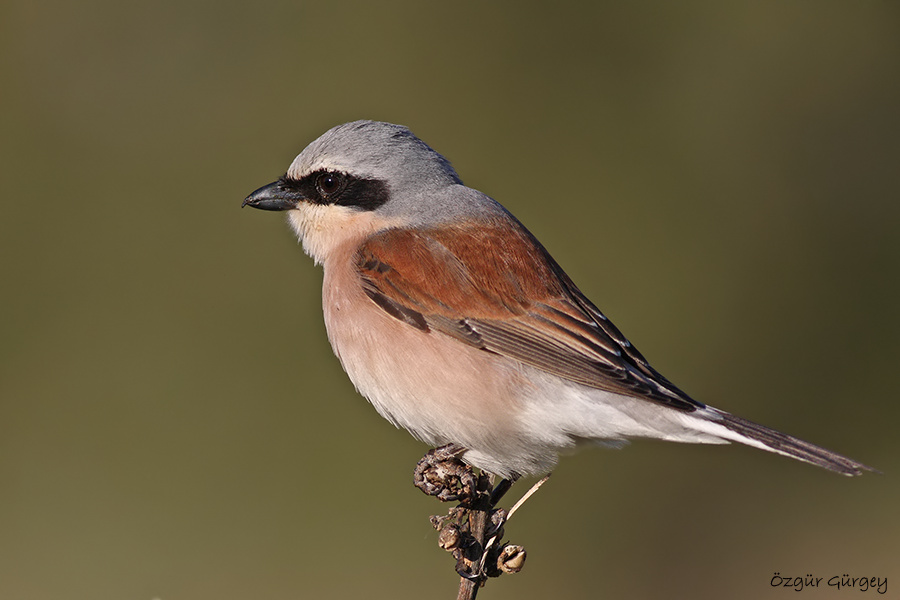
x,y
501,488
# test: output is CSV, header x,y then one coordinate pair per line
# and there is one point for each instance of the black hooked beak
x,y
275,196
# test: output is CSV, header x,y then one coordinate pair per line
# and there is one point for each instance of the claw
x,y
461,571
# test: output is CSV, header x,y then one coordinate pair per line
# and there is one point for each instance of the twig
x,y
478,519
465,529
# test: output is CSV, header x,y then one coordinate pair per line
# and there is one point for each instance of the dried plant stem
x,y
471,530
479,515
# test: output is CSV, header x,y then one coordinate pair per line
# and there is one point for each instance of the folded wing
x,y
496,288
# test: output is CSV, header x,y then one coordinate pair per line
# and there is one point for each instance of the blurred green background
x,y
720,178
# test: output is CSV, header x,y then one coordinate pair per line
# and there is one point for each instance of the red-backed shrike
x,y
457,325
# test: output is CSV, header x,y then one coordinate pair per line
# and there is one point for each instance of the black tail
x,y
789,445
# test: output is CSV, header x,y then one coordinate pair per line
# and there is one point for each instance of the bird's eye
x,y
329,183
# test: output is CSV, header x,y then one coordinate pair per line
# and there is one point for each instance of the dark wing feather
x,y
496,288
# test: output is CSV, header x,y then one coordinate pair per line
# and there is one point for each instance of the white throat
x,y
324,228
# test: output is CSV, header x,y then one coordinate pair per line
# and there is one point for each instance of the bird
x,y
457,325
